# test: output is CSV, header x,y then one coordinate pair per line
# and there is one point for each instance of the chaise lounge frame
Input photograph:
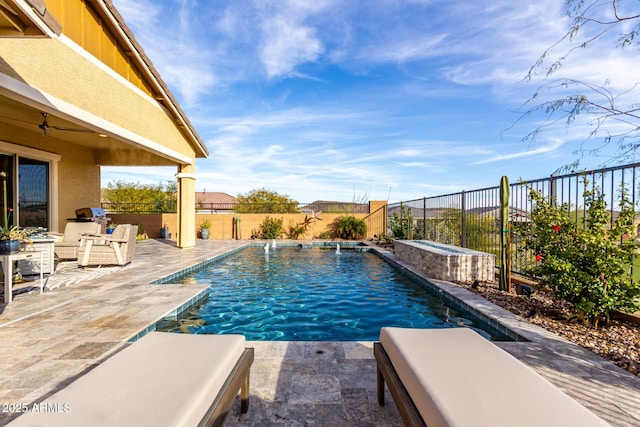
x,y
238,381
386,373
456,377
186,385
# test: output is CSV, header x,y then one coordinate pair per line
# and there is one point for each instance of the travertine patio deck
x,y
47,340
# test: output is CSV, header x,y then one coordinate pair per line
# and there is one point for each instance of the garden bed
x,y
617,341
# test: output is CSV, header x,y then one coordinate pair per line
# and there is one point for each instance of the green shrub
x,y
296,230
586,264
350,228
271,228
325,235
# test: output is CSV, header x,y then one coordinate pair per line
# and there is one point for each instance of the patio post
x,y
186,206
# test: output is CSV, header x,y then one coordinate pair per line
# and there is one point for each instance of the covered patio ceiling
x,y
108,140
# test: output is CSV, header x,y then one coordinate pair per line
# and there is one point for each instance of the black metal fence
x,y
139,208
471,218
170,207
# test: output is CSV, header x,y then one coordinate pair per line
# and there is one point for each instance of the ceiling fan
x,y
46,127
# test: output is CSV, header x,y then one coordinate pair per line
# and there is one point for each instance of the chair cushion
x,y
455,377
164,379
73,230
121,231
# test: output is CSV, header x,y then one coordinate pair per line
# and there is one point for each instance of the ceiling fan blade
x,y
46,127
71,129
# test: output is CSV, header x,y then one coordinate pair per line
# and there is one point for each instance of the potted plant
x,y
12,235
204,229
110,228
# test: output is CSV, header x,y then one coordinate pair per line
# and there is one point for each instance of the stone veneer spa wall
x,y
446,262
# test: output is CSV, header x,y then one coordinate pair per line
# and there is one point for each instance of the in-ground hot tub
x,y
446,262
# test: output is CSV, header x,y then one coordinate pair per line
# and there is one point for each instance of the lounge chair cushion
x,y
455,377
164,379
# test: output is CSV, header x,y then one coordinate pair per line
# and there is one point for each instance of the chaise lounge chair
x,y
164,379
68,247
455,377
116,248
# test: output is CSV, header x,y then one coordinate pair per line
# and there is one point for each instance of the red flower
x,y
556,228
538,258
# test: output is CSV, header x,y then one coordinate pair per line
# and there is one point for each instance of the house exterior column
x,y
186,206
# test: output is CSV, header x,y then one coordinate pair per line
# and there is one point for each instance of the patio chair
x,y
109,249
455,377
164,379
67,248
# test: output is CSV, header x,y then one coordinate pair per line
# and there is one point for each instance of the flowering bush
x,y
401,224
586,263
271,228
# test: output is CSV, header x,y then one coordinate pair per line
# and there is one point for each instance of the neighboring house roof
x,y
515,214
420,212
214,197
331,206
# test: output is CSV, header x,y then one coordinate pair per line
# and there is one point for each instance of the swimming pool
x,y
311,294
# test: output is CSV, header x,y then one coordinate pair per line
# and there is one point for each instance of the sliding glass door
x,y
26,194
33,193
7,184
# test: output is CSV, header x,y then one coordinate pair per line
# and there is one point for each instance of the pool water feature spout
x,y
337,248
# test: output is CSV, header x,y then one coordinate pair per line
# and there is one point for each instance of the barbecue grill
x,y
90,214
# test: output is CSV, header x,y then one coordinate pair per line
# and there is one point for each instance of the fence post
x,y
463,226
552,190
424,218
402,218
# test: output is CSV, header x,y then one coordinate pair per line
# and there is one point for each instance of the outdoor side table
x,y
44,245
7,270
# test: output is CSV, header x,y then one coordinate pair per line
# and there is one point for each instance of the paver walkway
x,y
48,340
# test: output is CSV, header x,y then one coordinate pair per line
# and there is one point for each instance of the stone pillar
x,y
186,232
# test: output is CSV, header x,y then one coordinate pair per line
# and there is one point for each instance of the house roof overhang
x,y
35,20
26,18
164,95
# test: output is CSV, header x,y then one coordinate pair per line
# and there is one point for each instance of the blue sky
x,y
385,99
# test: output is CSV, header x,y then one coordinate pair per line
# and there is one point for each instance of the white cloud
x,y
548,148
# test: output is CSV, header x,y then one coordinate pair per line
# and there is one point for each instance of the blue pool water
x,y
437,246
297,294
